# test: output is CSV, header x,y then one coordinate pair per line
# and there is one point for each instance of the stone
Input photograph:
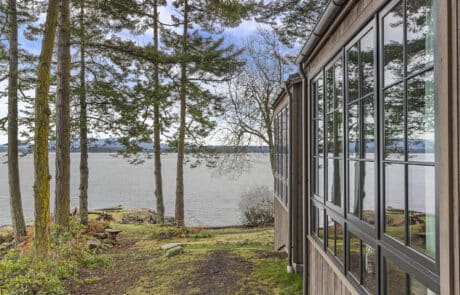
x,y
174,251
171,246
92,244
5,237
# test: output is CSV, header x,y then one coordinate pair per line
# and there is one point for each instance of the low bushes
x,y
257,206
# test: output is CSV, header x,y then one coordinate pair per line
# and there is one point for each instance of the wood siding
x,y
281,225
324,277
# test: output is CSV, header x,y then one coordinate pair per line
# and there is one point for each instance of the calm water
x,y
210,199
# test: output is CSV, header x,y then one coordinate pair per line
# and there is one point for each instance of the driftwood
x,y
109,209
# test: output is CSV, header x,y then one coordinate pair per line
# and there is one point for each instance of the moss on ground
x,y
230,261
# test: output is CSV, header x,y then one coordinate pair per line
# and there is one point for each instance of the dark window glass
x,y
320,97
339,242
394,122
394,201
417,288
330,135
369,268
321,177
369,127
422,209
320,224
420,34
353,72
330,234
354,248
320,137
367,188
330,89
338,83
330,180
393,47
353,131
395,279
353,187
339,134
421,117
367,63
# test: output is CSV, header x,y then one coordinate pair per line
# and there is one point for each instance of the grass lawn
x,y
227,261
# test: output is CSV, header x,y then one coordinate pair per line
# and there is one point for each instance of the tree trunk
x,y
41,132
84,170
62,198
180,220
17,216
157,124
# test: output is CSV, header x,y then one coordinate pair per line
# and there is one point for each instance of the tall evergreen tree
x,y
202,60
42,114
291,20
19,227
62,190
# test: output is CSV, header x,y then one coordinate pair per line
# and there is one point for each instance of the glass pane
x,y
393,48
353,131
321,224
314,216
353,72
321,177
394,201
421,118
339,243
369,127
336,187
367,63
420,34
338,71
339,134
330,89
330,234
417,288
368,191
320,137
422,209
330,180
370,268
394,122
320,97
354,255
395,279
330,135
353,187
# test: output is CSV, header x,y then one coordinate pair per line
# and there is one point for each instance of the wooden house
x,y
379,149
288,174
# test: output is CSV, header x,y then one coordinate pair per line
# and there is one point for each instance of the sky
x,y
235,35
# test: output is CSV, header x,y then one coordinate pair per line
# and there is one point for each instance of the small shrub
x,y
257,206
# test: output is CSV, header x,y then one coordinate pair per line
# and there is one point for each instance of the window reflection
x,y
394,201
420,34
354,248
394,122
421,117
353,131
330,234
353,72
395,279
367,187
353,187
367,63
422,209
330,89
369,127
339,134
393,40
369,268
339,243
338,83
330,135
417,288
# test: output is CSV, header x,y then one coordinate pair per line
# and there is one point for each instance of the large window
x,y
281,128
374,189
